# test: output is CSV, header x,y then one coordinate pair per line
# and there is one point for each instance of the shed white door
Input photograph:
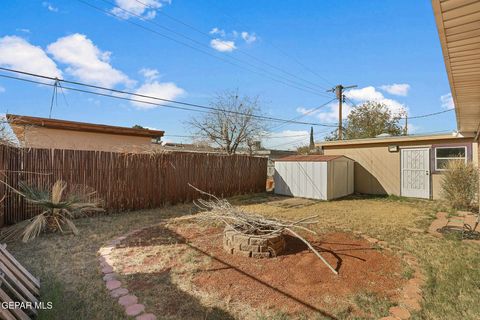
x,y
307,179
415,171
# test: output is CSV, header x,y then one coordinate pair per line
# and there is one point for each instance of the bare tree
x,y
7,137
232,124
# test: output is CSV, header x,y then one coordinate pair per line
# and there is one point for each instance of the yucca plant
x,y
58,209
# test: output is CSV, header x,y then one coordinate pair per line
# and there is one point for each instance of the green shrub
x,y
460,184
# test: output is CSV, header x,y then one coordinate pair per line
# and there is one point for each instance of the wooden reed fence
x,y
128,181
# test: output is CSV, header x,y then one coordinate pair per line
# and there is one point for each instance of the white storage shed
x,y
314,176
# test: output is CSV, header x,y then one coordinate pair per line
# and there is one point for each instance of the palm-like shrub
x,y
460,184
58,209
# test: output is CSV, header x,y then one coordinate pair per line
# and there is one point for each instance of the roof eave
x,y
437,11
80,126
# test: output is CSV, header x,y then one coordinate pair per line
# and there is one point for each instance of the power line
x,y
264,73
413,117
261,137
294,59
146,96
303,115
227,44
300,140
429,114
54,98
102,94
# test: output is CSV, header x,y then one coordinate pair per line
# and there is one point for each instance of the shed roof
x,y
80,126
312,158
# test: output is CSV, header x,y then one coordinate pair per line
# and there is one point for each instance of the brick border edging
x,y
128,301
411,292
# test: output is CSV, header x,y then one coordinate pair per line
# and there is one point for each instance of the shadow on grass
x,y
172,301
458,233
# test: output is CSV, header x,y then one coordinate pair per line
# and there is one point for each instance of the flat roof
x,y
310,158
458,24
14,119
393,139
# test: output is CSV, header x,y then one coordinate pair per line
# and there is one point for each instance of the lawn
x,y
68,265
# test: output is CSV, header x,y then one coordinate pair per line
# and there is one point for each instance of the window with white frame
x,y
444,154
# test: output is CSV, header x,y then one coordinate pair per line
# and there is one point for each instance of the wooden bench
x,y
17,286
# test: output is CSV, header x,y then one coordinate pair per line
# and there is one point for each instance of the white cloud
x,y
164,90
447,101
152,128
288,139
412,128
364,94
94,101
309,112
225,42
357,96
86,61
218,31
149,74
24,30
2,89
146,9
17,53
223,45
397,89
249,37
371,94
49,6
331,115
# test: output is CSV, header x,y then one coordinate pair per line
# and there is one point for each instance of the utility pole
x,y
406,124
339,93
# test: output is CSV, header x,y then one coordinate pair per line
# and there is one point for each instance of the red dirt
x,y
297,281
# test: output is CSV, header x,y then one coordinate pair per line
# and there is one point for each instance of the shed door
x,y
415,172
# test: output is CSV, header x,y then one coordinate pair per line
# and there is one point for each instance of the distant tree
x,y
370,120
7,137
137,126
312,141
231,125
307,150
303,150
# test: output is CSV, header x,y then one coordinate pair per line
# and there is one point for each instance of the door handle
x,y
427,172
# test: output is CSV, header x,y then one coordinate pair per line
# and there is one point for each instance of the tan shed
x,y
314,176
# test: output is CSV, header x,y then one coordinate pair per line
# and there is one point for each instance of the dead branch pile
x,y
216,209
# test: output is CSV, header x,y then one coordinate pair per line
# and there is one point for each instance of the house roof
x,y
80,126
394,139
458,24
310,158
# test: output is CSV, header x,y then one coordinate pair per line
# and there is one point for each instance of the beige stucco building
x,y
34,132
405,166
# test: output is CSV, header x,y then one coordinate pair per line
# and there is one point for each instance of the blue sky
x,y
373,44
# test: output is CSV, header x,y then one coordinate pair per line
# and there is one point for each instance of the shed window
x,y
445,154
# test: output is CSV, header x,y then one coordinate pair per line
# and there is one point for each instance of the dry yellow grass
x,y
68,265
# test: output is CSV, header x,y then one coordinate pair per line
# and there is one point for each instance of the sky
x,y
289,53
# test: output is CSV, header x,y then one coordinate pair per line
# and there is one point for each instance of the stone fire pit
x,y
235,242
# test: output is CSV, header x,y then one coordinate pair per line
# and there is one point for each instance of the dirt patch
x,y
295,283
